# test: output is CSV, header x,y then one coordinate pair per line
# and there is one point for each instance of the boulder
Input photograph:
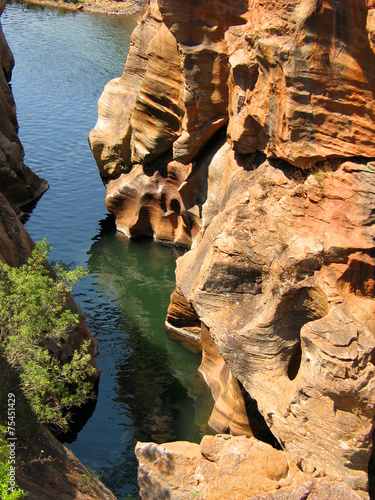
x,y
224,466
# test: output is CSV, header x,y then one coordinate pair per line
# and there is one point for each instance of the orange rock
x,y
224,466
302,81
229,412
148,203
281,269
275,280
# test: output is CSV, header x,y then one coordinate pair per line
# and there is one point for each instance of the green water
x,y
149,389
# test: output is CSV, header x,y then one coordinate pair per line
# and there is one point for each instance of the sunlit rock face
x,y
283,278
293,79
245,129
302,80
17,182
159,115
225,466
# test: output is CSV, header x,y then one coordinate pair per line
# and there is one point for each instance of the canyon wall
x,y
45,467
244,131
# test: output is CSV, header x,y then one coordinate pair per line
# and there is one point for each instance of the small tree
x,y
33,317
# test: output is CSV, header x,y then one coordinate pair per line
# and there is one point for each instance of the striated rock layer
x,y
245,129
284,280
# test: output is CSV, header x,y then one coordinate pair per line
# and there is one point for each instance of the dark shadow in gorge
x,y
258,425
79,418
155,376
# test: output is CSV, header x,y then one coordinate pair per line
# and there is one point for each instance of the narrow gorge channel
x,y
148,390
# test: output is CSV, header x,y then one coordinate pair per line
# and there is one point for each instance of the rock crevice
x,y
266,172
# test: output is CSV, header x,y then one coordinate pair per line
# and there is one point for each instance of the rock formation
x,y
45,468
17,182
224,466
245,129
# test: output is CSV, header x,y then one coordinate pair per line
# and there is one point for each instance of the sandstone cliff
x,y
245,130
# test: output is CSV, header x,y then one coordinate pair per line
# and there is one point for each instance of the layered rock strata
x,y
246,130
284,281
17,182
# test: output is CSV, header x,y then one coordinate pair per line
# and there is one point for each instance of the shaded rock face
x,y
44,467
17,182
260,126
15,242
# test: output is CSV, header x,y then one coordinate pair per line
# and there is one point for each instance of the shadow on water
x,y
149,389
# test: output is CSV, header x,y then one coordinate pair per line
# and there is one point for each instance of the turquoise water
x,y
148,388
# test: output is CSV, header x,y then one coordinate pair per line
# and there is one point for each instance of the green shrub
x,y
35,321
5,469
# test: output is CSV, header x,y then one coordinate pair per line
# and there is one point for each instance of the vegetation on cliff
x,y
35,324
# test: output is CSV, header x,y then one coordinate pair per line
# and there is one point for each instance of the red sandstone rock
x,y
281,269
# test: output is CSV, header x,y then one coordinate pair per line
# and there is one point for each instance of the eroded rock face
x,y
284,280
17,182
171,99
302,81
256,147
293,80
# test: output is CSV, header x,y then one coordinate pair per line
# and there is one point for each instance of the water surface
x,y
148,386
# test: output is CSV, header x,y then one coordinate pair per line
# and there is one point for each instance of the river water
x,y
148,387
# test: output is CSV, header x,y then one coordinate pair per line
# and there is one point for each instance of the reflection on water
x,y
148,386
149,389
